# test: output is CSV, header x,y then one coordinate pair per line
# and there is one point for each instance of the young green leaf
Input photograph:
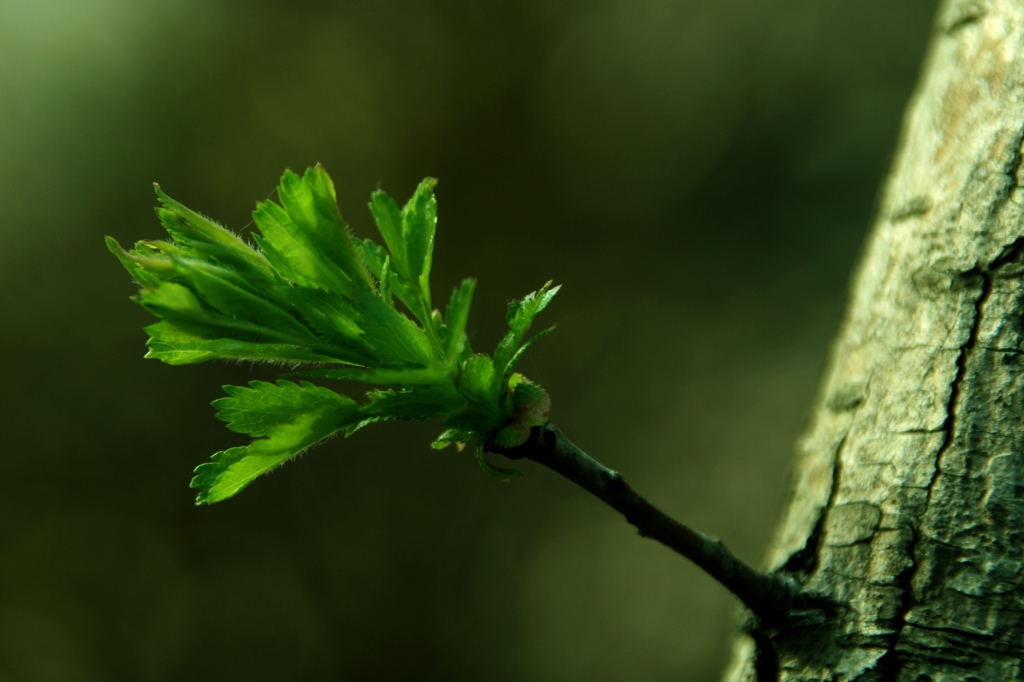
x,y
520,316
415,403
521,313
290,416
175,346
334,320
262,407
389,223
206,240
295,254
419,221
477,378
312,293
223,290
397,341
507,374
456,315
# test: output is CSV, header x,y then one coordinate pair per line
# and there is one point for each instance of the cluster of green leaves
x,y
310,292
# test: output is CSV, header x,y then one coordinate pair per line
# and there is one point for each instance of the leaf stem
x,y
769,596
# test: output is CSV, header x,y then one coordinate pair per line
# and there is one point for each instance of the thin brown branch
x,y
769,596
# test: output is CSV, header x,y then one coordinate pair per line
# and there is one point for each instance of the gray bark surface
x,y
908,503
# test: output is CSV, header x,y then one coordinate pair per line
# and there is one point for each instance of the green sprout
x,y
311,294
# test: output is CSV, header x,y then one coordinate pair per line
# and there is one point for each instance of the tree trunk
x,y
908,508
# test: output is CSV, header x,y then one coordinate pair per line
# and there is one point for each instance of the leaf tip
x,y
203,491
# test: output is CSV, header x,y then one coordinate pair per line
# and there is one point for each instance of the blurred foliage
x,y
698,174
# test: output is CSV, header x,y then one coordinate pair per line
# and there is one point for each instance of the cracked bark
x,y
908,503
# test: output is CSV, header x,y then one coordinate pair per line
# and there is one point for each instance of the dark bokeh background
x,y
698,174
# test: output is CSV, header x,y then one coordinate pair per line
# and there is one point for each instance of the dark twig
x,y
769,596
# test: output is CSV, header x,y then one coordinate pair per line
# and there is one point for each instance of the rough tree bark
x,y
908,507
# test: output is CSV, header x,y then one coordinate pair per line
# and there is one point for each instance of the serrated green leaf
x,y
313,204
385,283
397,341
295,254
520,316
178,302
212,307
257,410
292,417
484,411
456,316
522,349
130,261
223,290
415,403
207,240
304,237
174,346
334,318
316,294
411,404
409,235
372,254
181,308
389,222
477,378
521,313
419,222
208,475
192,228
232,470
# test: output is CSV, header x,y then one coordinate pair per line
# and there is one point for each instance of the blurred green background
x,y
698,174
